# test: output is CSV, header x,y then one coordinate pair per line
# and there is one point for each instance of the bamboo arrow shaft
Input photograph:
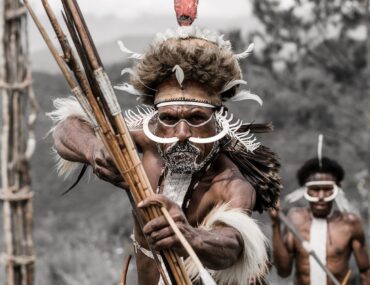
x,y
120,145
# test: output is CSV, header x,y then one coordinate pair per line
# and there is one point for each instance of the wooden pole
x,y
17,143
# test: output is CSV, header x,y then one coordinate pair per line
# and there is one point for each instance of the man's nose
x,y
183,132
321,194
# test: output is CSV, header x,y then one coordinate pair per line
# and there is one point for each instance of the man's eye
x,y
168,119
197,119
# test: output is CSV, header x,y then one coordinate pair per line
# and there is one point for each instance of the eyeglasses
x,y
196,120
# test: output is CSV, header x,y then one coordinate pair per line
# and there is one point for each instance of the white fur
x,y
193,32
253,261
64,108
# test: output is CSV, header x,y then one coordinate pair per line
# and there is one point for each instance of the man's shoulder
x,y
353,224
228,175
228,182
351,218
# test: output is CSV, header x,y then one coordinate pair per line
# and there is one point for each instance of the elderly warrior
x,y
208,170
333,233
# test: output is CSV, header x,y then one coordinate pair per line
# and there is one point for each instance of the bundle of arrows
x,y
89,83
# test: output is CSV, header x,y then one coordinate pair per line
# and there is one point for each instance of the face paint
x,y
313,199
224,124
181,157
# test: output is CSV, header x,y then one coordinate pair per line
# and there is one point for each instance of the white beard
x,y
181,157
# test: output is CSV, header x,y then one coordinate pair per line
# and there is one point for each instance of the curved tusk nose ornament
x,y
152,136
225,129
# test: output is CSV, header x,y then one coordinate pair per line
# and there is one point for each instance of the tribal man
x,y
208,170
332,231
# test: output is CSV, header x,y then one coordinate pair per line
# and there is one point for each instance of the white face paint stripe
x,y
324,183
153,137
317,199
225,128
185,103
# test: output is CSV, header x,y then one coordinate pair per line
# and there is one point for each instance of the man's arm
x,y
218,245
217,249
74,140
359,248
282,247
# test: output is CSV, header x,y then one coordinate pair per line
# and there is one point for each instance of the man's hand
x,y
160,234
103,165
274,214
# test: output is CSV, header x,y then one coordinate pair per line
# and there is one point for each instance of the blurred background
x,y
309,67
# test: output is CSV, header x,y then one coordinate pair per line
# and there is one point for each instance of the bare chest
x,y
337,241
194,194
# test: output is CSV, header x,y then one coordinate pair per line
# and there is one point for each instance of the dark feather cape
x,y
260,168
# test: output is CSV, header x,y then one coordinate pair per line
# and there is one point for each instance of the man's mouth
x,y
321,205
183,155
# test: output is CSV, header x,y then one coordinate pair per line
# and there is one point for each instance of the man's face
x,y
184,122
321,209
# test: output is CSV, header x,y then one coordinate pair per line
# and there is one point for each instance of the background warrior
x,y
332,231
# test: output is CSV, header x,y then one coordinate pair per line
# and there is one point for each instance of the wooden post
x,y
19,109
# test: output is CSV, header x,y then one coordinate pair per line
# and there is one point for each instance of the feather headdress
x,y
190,54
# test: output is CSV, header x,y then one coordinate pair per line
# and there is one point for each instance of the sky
x,y
112,19
138,8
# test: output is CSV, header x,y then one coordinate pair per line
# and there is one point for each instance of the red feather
x,y
186,11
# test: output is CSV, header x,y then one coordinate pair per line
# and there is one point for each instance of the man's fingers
x,y
157,199
155,225
123,185
168,242
107,175
161,234
104,159
99,158
161,222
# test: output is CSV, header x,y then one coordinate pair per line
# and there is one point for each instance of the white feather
x,y
133,54
246,95
64,108
131,71
246,139
343,204
127,70
319,149
180,76
231,84
135,120
246,53
129,89
295,195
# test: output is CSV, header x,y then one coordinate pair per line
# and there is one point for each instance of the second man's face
x,y
321,209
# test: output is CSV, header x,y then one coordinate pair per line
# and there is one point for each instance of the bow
x,y
93,90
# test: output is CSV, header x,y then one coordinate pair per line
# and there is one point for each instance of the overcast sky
x,y
112,19
138,8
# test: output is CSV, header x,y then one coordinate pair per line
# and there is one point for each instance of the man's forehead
x,y
321,176
184,109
